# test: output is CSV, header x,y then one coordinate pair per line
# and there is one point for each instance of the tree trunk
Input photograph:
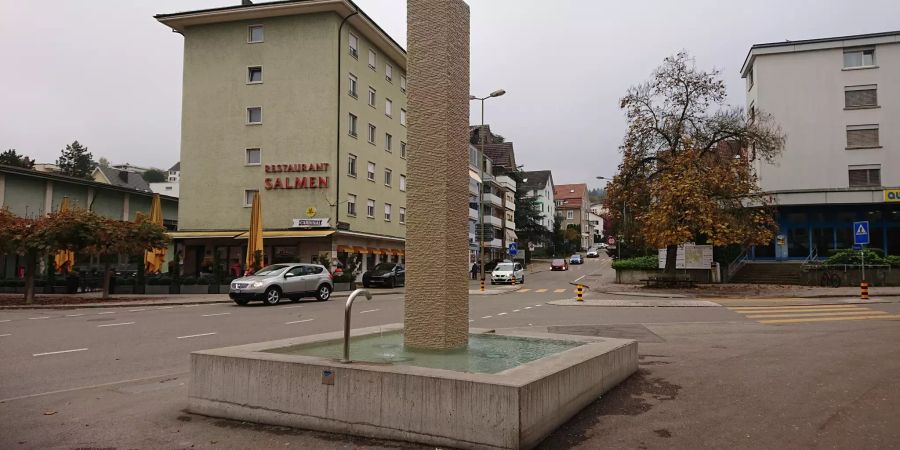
x,y
671,258
106,277
30,267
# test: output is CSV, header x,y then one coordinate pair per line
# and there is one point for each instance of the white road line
x,y
38,318
5,320
537,306
369,310
501,314
166,307
115,324
74,315
137,310
487,317
5,335
579,278
189,306
299,321
61,351
516,310
527,307
217,314
195,335
106,312
292,306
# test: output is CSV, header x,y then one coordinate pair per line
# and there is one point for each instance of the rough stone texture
x,y
437,303
513,409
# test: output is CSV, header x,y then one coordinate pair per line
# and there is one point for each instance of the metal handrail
x,y
736,265
347,310
813,256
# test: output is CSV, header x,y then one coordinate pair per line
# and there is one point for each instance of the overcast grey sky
x,y
106,73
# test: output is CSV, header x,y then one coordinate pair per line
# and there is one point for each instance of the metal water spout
x,y
347,309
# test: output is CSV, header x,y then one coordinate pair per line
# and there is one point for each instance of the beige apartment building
x,y
305,103
573,206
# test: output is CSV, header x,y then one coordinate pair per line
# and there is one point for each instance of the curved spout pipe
x,y
347,310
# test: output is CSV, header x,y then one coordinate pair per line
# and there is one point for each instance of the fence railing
x,y
735,265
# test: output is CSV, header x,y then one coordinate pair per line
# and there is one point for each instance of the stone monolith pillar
x,y
437,201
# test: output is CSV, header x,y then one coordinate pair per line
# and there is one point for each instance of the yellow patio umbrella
x,y
255,238
64,258
153,259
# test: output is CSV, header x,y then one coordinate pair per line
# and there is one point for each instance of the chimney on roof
x,y
123,175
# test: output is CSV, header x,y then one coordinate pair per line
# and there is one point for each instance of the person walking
x,y
475,270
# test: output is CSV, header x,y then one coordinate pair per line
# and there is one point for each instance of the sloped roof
x,y
502,155
176,167
125,179
536,179
570,194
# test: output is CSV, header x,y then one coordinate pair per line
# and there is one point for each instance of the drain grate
x,y
637,332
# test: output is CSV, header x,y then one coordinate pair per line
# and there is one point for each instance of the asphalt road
x,y
710,377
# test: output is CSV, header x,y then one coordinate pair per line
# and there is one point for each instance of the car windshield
x,y
576,256
385,266
271,270
558,261
504,267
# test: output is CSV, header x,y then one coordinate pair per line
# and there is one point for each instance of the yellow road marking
x,y
769,311
559,291
852,305
524,290
541,291
829,319
845,313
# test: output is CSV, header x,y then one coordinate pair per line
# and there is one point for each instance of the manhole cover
x,y
637,332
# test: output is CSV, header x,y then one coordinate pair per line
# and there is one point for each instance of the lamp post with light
x,y
496,93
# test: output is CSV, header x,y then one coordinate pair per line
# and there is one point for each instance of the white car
x,y
593,253
504,273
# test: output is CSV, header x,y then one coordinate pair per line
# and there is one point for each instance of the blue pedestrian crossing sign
x,y
861,233
513,249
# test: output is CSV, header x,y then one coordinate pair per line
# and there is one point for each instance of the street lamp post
x,y
624,218
496,93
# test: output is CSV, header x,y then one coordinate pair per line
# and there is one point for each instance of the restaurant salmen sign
x,y
307,180
312,223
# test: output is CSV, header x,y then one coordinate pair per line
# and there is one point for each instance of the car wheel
x,y
523,280
273,296
324,292
241,302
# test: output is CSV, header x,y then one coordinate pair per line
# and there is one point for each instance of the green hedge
x,y
853,257
638,263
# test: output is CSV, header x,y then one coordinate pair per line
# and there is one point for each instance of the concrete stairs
x,y
770,273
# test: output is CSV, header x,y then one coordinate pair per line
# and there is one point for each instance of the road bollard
x,y
864,290
482,285
514,279
580,293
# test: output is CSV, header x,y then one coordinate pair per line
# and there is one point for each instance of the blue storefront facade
x,y
821,229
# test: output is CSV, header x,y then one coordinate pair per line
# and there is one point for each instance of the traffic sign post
x,y
861,238
513,249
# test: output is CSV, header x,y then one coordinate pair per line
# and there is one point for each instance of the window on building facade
x,y
354,46
371,97
864,176
248,197
254,115
403,183
371,59
403,117
403,83
861,96
370,175
370,208
351,205
372,131
402,215
403,149
254,157
387,212
254,74
354,86
351,165
388,142
352,125
570,214
389,72
862,136
750,79
388,107
388,175
863,57
255,34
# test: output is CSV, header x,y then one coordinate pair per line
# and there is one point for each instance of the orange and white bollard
x,y
864,290
579,292
514,279
482,285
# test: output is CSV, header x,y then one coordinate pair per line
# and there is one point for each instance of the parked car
x,y
273,283
559,264
602,246
576,259
506,271
593,253
385,274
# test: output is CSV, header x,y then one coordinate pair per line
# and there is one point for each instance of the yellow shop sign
x,y
892,196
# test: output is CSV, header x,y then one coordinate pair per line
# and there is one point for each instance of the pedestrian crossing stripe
x,y
775,315
524,290
541,291
559,291
796,310
829,319
839,313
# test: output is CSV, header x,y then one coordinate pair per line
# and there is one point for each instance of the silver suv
x,y
292,280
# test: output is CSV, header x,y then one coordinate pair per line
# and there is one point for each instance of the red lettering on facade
x,y
323,182
268,184
277,184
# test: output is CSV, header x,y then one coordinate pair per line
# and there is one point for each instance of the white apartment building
x,y
838,102
539,184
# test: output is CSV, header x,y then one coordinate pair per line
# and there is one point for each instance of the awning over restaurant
x,y
370,250
204,234
290,234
